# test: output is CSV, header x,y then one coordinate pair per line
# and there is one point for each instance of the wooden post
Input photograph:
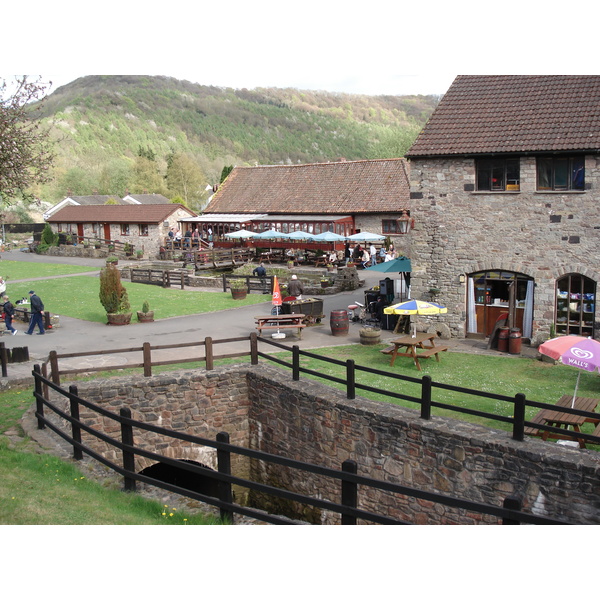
x,y
39,404
350,380
512,503
75,428
208,353
253,348
519,418
128,455
53,356
224,466
296,363
4,359
426,397
147,354
349,491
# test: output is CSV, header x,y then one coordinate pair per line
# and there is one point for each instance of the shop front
x,y
494,296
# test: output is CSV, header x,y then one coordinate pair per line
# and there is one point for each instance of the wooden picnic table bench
x,y
293,321
412,344
563,420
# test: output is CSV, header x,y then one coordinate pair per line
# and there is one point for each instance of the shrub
x,y
145,307
113,296
49,238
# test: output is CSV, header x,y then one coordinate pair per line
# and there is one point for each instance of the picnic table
x,y
280,322
421,341
564,420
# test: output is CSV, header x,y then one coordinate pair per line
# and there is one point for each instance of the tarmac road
x,y
74,335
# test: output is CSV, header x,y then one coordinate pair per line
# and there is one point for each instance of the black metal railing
x,y
351,485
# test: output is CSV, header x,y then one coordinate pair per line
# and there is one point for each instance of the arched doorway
x,y
575,305
497,295
183,478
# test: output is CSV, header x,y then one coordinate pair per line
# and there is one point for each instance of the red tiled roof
x,y
514,113
346,187
109,213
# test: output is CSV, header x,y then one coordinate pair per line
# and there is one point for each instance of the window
x,y
389,226
560,173
124,229
498,174
143,228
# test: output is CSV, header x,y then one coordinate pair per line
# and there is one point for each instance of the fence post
x,y
53,358
4,359
253,348
39,404
208,353
224,282
75,429
519,418
426,397
512,503
349,491
147,354
295,363
128,455
224,466
350,380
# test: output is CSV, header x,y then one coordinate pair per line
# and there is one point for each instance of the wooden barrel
x,y
370,336
339,322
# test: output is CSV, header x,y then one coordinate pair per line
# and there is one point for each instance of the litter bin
x,y
514,341
339,322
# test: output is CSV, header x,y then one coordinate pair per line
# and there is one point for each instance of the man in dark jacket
x,y
37,314
9,313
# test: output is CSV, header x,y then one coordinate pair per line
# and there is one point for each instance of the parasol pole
x,y
576,387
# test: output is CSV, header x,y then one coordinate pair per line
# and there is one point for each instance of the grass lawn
x,y
78,296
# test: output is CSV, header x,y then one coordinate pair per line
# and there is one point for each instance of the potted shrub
x,y
324,282
145,315
239,289
112,260
128,248
139,254
113,296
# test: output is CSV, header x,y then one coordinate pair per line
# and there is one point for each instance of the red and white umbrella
x,y
576,351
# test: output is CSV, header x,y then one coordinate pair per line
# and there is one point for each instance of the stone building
x,y
144,226
344,197
504,190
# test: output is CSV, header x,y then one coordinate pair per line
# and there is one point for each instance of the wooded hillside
x,y
137,134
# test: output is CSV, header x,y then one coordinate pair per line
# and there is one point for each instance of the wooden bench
x,y
432,352
539,418
388,350
298,327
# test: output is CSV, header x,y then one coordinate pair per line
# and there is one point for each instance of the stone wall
x,y
544,235
261,407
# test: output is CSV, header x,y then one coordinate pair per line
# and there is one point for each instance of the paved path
x,y
74,335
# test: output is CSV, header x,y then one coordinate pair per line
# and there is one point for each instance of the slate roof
x,y
346,187
96,199
148,198
107,213
513,113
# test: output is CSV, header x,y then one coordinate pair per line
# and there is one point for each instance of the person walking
x,y
37,314
261,273
9,313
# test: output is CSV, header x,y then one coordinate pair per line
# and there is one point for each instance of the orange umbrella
x,y
277,302
276,293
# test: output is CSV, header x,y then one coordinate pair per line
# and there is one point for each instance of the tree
x,y
26,152
185,178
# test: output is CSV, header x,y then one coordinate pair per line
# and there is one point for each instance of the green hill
x,y
119,134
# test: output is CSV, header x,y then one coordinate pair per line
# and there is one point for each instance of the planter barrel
x,y
370,336
118,318
238,293
339,322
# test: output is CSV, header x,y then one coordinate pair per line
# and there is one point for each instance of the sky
x,y
381,47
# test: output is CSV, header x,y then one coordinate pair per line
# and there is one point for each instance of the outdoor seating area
x,y
565,420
